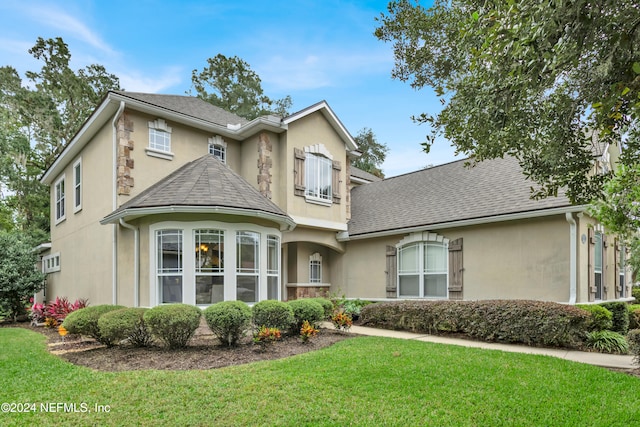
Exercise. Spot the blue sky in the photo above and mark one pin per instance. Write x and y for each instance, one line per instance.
(312, 50)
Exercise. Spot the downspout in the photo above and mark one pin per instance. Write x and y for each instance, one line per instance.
(136, 261)
(573, 277)
(114, 182)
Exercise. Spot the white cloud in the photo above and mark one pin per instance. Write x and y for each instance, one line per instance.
(137, 82)
(411, 159)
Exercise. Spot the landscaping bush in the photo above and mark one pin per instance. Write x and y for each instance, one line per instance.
(354, 307)
(85, 322)
(516, 321)
(634, 344)
(125, 324)
(326, 304)
(635, 292)
(305, 309)
(607, 342)
(634, 316)
(228, 320)
(600, 317)
(273, 314)
(620, 316)
(173, 324)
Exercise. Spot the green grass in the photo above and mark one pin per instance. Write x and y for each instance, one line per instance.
(363, 381)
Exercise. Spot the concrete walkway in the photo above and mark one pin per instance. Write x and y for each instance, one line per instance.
(598, 359)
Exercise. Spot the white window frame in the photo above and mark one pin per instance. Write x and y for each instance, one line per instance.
(159, 128)
(273, 241)
(200, 247)
(421, 241)
(178, 271)
(318, 175)
(51, 263)
(59, 204)
(77, 186)
(598, 272)
(218, 148)
(315, 266)
(230, 253)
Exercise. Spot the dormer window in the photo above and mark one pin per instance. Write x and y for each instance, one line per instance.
(218, 148)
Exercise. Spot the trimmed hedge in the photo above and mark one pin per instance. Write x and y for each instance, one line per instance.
(273, 314)
(513, 321)
(173, 324)
(634, 316)
(85, 321)
(620, 316)
(228, 320)
(634, 344)
(326, 304)
(635, 292)
(306, 309)
(125, 324)
(601, 318)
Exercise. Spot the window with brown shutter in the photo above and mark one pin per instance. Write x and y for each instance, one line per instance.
(456, 269)
(298, 172)
(335, 184)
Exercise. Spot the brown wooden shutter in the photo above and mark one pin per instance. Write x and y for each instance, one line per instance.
(456, 269)
(591, 275)
(335, 181)
(605, 267)
(616, 270)
(298, 172)
(392, 272)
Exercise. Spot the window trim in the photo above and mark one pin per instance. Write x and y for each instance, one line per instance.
(51, 263)
(323, 166)
(422, 240)
(59, 196)
(77, 186)
(217, 142)
(153, 151)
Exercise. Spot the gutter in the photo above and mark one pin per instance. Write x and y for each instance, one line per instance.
(573, 255)
(114, 237)
(136, 261)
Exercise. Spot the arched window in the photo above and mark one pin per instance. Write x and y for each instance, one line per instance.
(423, 266)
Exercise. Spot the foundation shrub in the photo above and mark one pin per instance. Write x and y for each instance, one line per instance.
(607, 342)
(125, 324)
(635, 292)
(633, 338)
(173, 324)
(514, 321)
(305, 310)
(620, 316)
(634, 316)
(85, 322)
(228, 320)
(600, 318)
(273, 314)
(326, 304)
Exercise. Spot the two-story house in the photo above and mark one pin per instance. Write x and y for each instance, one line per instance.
(162, 198)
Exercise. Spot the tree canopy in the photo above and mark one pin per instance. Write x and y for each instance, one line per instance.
(373, 152)
(231, 84)
(550, 83)
(40, 115)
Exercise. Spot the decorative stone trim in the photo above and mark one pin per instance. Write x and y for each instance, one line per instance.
(125, 163)
(264, 165)
(304, 290)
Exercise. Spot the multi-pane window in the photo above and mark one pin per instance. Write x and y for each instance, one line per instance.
(273, 267)
(159, 140)
(315, 268)
(247, 266)
(51, 263)
(423, 270)
(597, 264)
(209, 266)
(77, 186)
(169, 265)
(318, 171)
(218, 148)
(59, 199)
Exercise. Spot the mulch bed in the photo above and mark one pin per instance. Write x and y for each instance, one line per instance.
(202, 352)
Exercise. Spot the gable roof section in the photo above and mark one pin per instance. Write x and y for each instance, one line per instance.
(205, 185)
(446, 196)
(331, 117)
(363, 175)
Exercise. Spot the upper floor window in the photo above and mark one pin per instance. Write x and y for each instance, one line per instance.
(218, 148)
(77, 185)
(318, 177)
(159, 139)
(59, 199)
(423, 269)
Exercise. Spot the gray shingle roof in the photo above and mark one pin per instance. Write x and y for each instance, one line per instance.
(205, 182)
(359, 173)
(443, 194)
(189, 105)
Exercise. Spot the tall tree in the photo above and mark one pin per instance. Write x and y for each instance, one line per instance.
(373, 152)
(230, 83)
(548, 82)
(40, 116)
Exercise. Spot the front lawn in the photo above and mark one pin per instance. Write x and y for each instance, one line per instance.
(362, 381)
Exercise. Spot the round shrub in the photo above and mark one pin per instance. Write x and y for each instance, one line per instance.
(273, 314)
(634, 344)
(228, 320)
(125, 324)
(620, 316)
(85, 321)
(600, 318)
(326, 304)
(306, 309)
(634, 316)
(173, 324)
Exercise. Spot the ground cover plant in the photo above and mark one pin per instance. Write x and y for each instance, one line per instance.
(359, 381)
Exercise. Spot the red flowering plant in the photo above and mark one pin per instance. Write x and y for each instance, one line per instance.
(341, 320)
(60, 308)
(37, 313)
(307, 331)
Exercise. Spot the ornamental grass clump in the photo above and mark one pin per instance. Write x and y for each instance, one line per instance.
(273, 314)
(173, 324)
(228, 320)
(305, 310)
(607, 342)
(85, 322)
(126, 324)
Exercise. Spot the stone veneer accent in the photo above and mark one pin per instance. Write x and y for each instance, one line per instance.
(125, 162)
(264, 165)
(294, 292)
